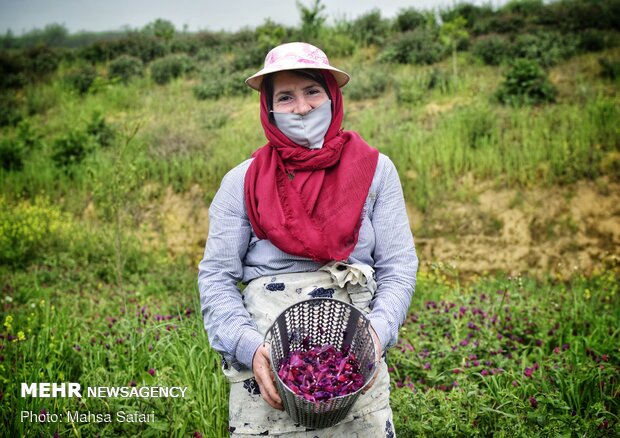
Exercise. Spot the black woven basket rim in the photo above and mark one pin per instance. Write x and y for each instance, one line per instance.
(285, 386)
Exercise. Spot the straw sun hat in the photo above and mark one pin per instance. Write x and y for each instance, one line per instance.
(294, 56)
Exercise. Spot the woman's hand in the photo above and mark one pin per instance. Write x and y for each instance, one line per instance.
(378, 350)
(265, 378)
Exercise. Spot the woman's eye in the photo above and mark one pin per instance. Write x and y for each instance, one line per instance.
(283, 99)
(314, 91)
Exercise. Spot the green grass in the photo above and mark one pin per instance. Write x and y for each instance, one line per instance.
(454, 127)
(81, 293)
(548, 341)
(509, 357)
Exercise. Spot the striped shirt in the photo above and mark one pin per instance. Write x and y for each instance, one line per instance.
(234, 254)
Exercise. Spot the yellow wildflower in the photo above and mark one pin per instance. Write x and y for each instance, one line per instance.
(8, 323)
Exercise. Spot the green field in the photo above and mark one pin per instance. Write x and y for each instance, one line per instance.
(99, 285)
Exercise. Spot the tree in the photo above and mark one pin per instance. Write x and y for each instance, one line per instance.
(312, 19)
(450, 34)
(162, 29)
(269, 34)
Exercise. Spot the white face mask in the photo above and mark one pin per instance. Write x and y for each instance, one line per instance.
(306, 130)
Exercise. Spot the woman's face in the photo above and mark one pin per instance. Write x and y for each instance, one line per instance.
(295, 94)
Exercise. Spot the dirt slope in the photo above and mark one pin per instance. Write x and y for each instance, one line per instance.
(529, 231)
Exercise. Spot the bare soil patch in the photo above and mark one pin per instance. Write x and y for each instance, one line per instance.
(558, 230)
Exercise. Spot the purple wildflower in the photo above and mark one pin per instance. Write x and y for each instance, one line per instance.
(427, 366)
(533, 402)
(152, 371)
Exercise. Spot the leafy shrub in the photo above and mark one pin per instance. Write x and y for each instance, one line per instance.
(205, 54)
(125, 67)
(408, 19)
(71, 148)
(28, 137)
(547, 48)
(476, 16)
(81, 78)
(42, 61)
(368, 83)
(11, 154)
(337, 43)
(526, 83)
(185, 44)
(370, 28)
(594, 40)
(524, 7)
(208, 89)
(12, 70)
(492, 49)
(220, 83)
(27, 66)
(504, 22)
(165, 69)
(420, 46)
(574, 16)
(10, 112)
(102, 133)
(609, 69)
(248, 56)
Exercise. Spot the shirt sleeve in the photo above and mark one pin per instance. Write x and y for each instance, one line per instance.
(396, 262)
(230, 329)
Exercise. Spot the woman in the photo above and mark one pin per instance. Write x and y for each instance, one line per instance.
(316, 212)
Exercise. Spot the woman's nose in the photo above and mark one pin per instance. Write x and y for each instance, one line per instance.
(302, 106)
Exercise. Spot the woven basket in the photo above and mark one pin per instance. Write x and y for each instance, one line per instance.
(314, 322)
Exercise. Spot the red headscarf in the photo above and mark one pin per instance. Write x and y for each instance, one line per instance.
(308, 202)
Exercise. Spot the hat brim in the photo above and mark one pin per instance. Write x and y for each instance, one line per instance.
(256, 79)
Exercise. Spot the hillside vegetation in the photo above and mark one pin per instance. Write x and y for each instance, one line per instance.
(504, 125)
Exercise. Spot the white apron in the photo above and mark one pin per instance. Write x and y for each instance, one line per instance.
(265, 298)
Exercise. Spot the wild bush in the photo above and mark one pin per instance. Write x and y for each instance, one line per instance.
(10, 108)
(575, 16)
(185, 44)
(248, 56)
(526, 83)
(368, 83)
(81, 78)
(12, 70)
(337, 43)
(476, 17)
(493, 49)
(169, 67)
(219, 83)
(420, 46)
(408, 19)
(501, 22)
(594, 40)
(370, 28)
(546, 48)
(125, 67)
(71, 148)
(11, 155)
(609, 69)
(208, 89)
(41, 62)
(102, 133)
